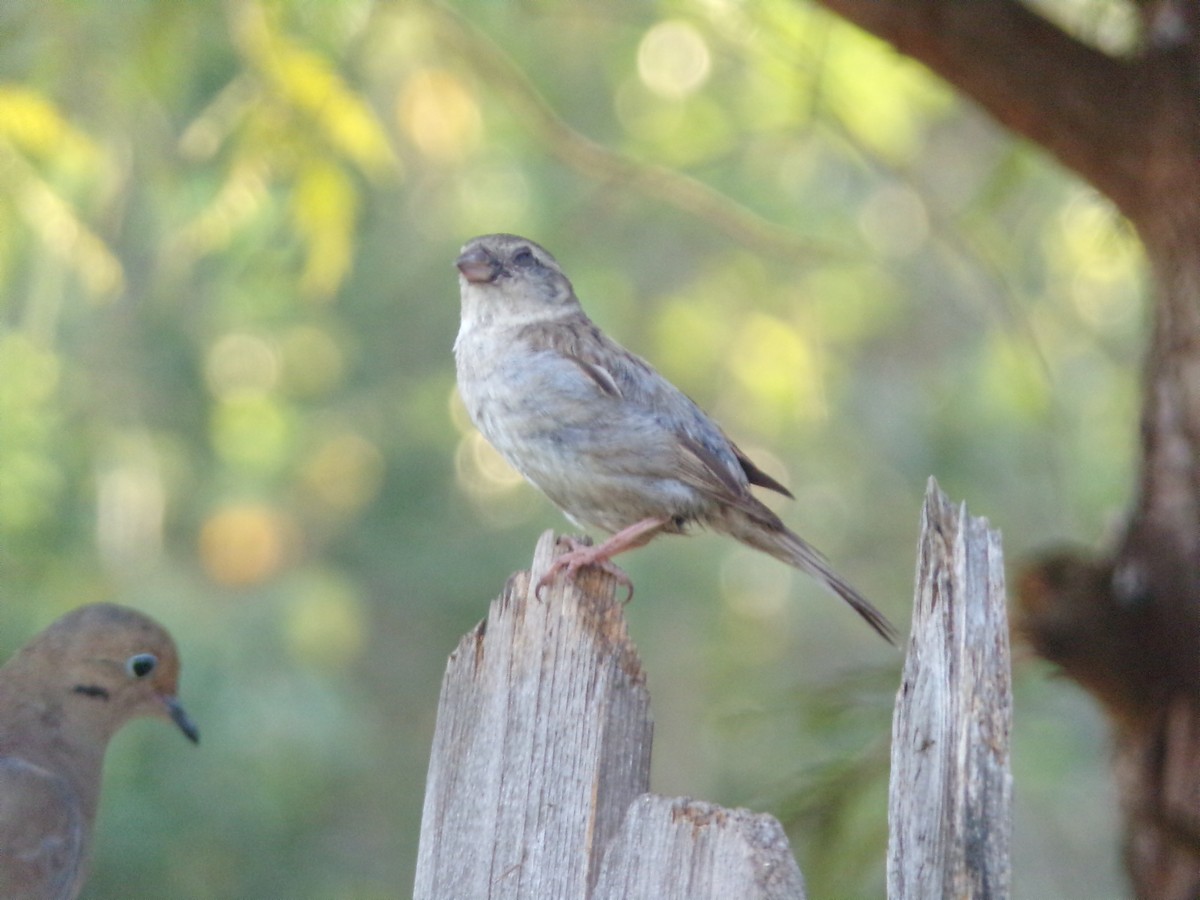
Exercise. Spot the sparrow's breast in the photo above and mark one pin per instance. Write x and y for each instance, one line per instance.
(603, 461)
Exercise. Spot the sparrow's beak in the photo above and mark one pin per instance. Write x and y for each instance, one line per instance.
(478, 266)
(180, 718)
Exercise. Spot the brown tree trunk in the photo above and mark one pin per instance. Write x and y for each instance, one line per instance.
(1127, 627)
(1157, 566)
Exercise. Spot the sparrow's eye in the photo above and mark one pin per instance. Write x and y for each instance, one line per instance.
(524, 258)
(141, 665)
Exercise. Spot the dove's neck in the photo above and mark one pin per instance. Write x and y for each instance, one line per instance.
(44, 730)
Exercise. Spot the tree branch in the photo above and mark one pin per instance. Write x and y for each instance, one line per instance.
(1075, 101)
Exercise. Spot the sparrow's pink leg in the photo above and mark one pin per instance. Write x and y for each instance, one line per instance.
(581, 555)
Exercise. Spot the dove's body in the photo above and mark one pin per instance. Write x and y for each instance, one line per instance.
(62, 697)
(610, 441)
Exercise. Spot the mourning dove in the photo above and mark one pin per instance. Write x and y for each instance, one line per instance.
(62, 697)
(602, 434)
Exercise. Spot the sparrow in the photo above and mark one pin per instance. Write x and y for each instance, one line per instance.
(595, 428)
(62, 697)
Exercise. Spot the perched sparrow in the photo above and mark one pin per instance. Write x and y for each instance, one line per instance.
(610, 441)
(62, 697)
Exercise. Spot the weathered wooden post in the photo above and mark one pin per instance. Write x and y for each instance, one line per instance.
(540, 766)
(950, 803)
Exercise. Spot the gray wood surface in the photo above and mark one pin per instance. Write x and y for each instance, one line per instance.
(542, 742)
(950, 804)
(672, 848)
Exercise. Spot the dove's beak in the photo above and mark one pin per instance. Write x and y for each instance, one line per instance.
(179, 717)
(478, 266)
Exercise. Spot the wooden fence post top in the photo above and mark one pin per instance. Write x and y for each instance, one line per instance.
(589, 603)
(950, 802)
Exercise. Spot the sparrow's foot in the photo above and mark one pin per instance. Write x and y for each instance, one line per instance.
(582, 555)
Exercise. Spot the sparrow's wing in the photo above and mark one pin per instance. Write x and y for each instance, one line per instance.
(599, 375)
(757, 476)
(711, 461)
(42, 832)
(622, 375)
(717, 471)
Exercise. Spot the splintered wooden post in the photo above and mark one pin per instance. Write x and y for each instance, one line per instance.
(542, 742)
(950, 804)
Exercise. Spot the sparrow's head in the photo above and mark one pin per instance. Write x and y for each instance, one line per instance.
(504, 277)
(102, 665)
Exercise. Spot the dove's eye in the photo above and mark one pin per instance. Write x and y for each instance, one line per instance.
(524, 258)
(141, 665)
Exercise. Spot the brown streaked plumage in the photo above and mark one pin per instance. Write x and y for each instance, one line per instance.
(62, 697)
(594, 427)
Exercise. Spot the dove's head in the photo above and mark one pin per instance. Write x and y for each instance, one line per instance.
(507, 279)
(102, 665)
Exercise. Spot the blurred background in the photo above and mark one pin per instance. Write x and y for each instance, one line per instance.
(227, 301)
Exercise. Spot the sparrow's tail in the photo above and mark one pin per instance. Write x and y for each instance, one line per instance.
(774, 538)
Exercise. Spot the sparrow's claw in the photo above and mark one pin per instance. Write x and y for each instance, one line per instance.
(581, 556)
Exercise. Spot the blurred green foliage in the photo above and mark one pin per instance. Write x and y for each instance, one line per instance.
(226, 393)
